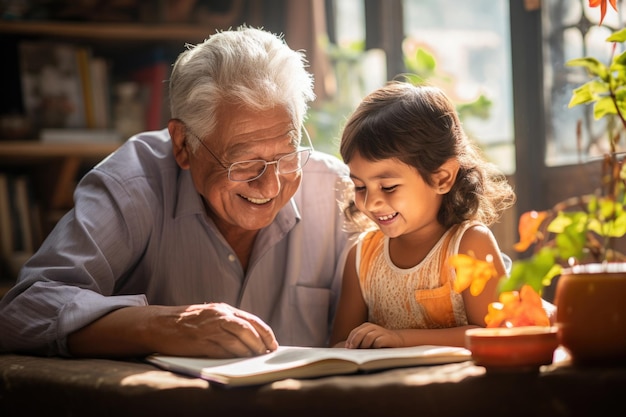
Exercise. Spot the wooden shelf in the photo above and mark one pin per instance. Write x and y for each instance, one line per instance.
(111, 31)
(34, 150)
(63, 161)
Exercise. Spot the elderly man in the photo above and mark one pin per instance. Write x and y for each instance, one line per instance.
(220, 236)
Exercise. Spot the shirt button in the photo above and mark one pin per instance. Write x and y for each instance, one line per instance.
(231, 257)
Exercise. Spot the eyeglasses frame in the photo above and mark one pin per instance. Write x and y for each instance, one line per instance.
(228, 167)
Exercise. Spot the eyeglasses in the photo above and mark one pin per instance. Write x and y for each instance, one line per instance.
(250, 170)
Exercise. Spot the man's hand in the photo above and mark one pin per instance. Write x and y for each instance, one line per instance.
(219, 330)
(213, 330)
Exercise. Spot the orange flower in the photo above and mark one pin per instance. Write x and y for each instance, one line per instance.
(528, 227)
(603, 6)
(514, 309)
(472, 272)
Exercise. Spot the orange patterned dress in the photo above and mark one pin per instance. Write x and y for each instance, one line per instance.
(417, 297)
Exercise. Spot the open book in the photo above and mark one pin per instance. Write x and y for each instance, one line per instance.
(307, 362)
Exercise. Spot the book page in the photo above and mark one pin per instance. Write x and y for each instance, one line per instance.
(300, 362)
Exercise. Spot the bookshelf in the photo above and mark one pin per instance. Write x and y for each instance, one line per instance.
(53, 169)
(50, 171)
(110, 32)
(60, 161)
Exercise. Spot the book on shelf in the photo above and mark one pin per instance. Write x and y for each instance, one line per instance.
(19, 235)
(83, 55)
(52, 88)
(23, 211)
(6, 224)
(307, 362)
(64, 86)
(152, 81)
(100, 92)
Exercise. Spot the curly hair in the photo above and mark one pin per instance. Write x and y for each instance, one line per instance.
(419, 126)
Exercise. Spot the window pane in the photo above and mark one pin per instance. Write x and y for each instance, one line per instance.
(571, 31)
(471, 48)
(470, 41)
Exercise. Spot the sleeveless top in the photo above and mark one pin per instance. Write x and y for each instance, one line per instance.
(417, 297)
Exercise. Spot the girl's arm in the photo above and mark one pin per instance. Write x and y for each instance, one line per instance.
(479, 242)
(351, 310)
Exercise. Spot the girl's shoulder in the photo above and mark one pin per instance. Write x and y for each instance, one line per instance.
(468, 233)
(478, 239)
(473, 229)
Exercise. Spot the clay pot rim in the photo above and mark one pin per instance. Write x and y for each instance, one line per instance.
(510, 331)
(596, 268)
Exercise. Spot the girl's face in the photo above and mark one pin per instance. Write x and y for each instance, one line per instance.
(394, 196)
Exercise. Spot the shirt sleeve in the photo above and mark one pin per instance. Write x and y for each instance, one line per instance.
(71, 280)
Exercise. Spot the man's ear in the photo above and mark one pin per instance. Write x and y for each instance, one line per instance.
(178, 133)
(444, 177)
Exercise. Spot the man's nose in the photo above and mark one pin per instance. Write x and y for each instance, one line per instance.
(270, 179)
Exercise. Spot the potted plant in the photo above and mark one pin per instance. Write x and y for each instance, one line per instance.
(591, 313)
(578, 239)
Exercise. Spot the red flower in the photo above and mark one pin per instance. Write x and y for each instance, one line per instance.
(529, 223)
(603, 6)
(517, 308)
(472, 272)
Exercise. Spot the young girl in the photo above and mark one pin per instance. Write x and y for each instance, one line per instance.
(426, 187)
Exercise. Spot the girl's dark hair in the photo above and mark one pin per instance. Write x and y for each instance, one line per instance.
(419, 126)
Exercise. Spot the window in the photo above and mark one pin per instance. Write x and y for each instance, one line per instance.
(471, 48)
(571, 30)
(471, 45)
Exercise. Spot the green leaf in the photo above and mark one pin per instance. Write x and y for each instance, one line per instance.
(552, 273)
(570, 228)
(615, 228)
(533, 271)
(564, 219)
(618, 36)
(596, 226)
(619, 60)
(593, 204)
(604, 106)
(425, 61)
(593, 66)
(619, 226)
(607, 208)
(589, 92)
(611, 219)
(581, 95)
(479, 108)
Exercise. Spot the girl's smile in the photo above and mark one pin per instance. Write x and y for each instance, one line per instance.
(393, 195)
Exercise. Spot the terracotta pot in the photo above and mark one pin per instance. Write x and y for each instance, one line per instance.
(518, 349)
(591, 313)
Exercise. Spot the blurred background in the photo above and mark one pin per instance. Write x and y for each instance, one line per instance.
(81, 76)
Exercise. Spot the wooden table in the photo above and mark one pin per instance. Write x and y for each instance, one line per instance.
(34, 386)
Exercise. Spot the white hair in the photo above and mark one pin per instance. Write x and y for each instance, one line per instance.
(246, 66)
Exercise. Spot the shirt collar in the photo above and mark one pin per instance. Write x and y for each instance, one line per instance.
(188, 201)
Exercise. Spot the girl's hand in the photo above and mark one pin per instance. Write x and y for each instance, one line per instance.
(369, 335)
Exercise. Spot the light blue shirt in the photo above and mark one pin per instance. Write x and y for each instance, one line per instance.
(138, 234)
